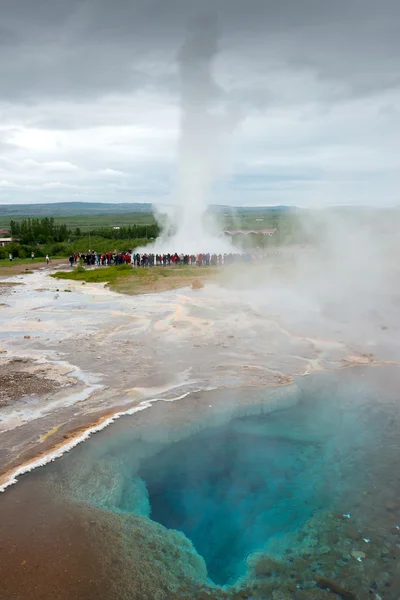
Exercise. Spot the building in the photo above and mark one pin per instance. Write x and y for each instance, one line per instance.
(248, 232)
(5, 237)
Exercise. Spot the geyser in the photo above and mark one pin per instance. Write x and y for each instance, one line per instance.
(207, 121)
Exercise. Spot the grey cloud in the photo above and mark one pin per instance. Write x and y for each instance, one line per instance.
(94, 47)
(98, 67)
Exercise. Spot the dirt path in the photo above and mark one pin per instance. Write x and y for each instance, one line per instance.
(20, 268)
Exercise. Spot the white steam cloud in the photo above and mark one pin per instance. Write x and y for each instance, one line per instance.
(206, 126)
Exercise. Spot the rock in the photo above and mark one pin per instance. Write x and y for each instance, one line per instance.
(314, 594)
(358, 554)
(327, 584)
(392, 506)
(280, 595)
(383, 580)
(352, 533)
(197, 285)
(265, 566)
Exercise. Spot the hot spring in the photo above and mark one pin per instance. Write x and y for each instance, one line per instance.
(250, 490)
(230, 489)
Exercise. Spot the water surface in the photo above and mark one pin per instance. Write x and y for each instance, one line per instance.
(220, 490)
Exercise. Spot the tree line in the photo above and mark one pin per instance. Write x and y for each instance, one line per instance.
(38, 231)
(47, 231)
(123, 233)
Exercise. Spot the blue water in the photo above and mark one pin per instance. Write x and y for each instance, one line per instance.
(229, 491)
(235, 488)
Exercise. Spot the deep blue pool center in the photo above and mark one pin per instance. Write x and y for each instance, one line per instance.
(230, 489)
(241, 487)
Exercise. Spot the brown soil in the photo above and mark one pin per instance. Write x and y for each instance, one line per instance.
(49, 552)
(15, 268)
(16, 382)
(133, 287)
(197, 285)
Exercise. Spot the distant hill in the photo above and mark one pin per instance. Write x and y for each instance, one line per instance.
(66, 209)
(76, 209)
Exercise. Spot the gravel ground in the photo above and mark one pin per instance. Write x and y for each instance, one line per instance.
(16, 382)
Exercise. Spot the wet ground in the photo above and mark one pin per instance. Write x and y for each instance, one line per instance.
(116, 351)
(102, 353)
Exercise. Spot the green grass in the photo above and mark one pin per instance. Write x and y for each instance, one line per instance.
(231, 219)
(129, 280)
(24, 261)
(288, 223)
(99, 244)
(101, 275)
(87, 222)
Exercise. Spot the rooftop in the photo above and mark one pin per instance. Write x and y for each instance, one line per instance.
(247, 232)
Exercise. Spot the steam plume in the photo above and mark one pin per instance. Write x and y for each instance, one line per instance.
(205, 127)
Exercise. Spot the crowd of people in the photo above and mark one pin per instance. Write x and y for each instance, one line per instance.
(137, 259)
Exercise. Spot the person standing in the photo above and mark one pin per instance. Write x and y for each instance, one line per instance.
(47, 259)
(32, 255)
(10, 256)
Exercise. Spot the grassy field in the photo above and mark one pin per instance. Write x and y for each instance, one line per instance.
(227, 218)
(129, 280)
(88, 222)
(23, 265)
(288, 222)
(232, 220)
(21, 261)
(293, 225)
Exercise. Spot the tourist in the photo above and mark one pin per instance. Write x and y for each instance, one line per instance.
(129, 257)
(47, 259)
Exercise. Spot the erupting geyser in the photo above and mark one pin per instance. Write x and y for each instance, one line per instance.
(206, 125)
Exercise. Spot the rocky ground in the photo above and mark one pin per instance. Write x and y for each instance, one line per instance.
(17, 381)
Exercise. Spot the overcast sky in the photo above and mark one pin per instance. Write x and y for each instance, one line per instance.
(89, 100)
